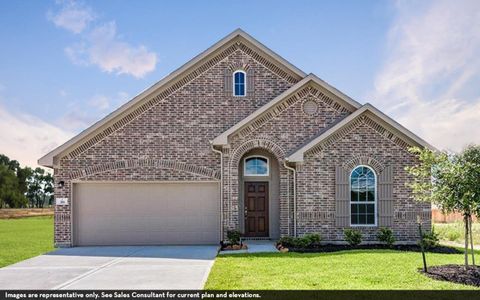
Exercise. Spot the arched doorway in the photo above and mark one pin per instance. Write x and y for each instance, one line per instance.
(259, 194)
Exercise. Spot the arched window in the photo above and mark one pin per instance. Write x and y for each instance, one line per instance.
(239, 83)
(363, 196)
(256, 166)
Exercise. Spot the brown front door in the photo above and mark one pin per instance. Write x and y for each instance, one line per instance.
(256, 209)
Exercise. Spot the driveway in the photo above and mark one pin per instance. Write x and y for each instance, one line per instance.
(130, 267)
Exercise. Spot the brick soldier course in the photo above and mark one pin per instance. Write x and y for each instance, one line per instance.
(175, 130)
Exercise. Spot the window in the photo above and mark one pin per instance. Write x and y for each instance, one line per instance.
(256, 166)
(363, 196)
(239, 83)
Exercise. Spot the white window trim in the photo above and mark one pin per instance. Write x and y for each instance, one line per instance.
(256, 175)
(244, 84)
(374, 202)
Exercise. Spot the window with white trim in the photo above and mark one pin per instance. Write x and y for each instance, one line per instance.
(239, 83)
(363, 196)
(256, 166)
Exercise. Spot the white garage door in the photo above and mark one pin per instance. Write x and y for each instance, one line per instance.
(145, 213)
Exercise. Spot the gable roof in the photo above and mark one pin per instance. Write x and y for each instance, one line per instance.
(164, 84)
(311, 78)
(371, 111)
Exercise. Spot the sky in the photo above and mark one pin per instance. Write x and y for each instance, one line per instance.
(66, 64)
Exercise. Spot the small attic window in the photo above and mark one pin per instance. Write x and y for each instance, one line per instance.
(239, 83)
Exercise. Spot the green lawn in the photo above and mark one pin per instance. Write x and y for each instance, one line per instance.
(358, 269)
(24, 238)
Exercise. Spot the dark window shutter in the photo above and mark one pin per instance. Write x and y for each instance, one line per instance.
(385, 197)
(342, 197)
(228, 82)
(250, 81)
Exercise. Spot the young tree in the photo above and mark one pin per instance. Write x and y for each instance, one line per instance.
(449, 181)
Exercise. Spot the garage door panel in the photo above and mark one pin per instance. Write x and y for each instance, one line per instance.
(146, 213)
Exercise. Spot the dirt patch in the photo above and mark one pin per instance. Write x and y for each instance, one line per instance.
(455, 273)
(13, 213)
(414, 248)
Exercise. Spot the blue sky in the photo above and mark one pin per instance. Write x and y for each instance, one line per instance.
(65, 64)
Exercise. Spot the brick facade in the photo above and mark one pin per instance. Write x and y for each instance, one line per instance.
(168, 139)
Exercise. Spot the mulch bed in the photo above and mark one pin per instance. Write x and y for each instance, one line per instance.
(455, 273)
(414, 248)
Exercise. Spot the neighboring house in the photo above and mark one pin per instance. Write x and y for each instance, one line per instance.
(237, 138)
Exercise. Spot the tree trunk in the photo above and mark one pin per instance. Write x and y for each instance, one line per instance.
(465, 220)
(471, 238)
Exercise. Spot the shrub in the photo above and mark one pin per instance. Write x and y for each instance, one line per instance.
(286, 241)
(430, 239)
(313, 238)
(301, 243)
(309, 240)
(233, 237)
(453, 235)
(352, 236)
(386, 236)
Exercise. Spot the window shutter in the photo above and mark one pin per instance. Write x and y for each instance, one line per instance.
(342, 197)
(228, 82)
(250, 81)
(385, 197)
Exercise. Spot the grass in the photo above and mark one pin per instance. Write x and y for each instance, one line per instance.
(24, 238)
(356, 269)
(455, 232)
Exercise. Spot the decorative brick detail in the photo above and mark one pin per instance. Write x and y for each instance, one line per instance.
(364, 159)
(385, 133)
(156, 163)
(257, 143)
(308, 93)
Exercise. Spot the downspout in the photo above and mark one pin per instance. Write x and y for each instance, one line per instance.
(221, 189)
(294, 197)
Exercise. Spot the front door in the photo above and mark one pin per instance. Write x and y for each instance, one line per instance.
(256, 209)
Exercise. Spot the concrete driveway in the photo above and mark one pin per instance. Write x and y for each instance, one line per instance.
(132, 267)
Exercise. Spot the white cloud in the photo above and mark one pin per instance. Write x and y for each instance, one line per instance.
(72, 16)
(432, 70)
(26, 138)
(105, 49)
(101, 45)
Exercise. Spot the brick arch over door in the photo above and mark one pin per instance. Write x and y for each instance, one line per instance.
(231, 192)
(156, 163)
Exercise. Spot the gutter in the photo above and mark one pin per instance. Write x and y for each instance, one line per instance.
(221, 189)
(294, 197)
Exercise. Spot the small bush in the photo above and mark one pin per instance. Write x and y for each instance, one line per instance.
(352, 236)
(386, 236)
(313, 238)
(301, 243)
(452, 236)
(309, 240)
(286, 241)
(233, 237)
(430, 239)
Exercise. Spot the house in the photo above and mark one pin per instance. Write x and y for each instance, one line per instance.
(237, 138)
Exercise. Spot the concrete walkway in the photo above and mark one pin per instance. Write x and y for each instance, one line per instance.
(132, 267)
(255, 246)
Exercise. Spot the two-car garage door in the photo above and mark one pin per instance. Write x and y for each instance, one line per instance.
(145, 213)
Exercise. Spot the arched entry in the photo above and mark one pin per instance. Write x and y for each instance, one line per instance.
(259, 194)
